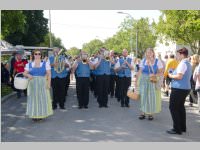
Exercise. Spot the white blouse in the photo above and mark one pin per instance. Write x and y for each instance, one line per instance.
(48, 67)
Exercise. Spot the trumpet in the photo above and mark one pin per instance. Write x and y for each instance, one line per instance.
(105, 55)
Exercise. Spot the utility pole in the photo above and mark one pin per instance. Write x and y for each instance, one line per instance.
(50, 40)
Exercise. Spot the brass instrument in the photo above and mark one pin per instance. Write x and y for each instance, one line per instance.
(61, 62)
(104, 54)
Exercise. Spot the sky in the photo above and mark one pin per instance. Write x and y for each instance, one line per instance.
(76, 27)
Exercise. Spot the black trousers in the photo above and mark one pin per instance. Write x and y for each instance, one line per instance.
(112, 84)
(117, 94)
(67, 83)
(124, 83)
(94, 84)
(59, 90)
(177, 108)
(102, 83)
(194, 91)
(83, 85)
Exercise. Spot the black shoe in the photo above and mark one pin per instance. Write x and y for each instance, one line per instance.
(36, 119)
(172, 131)
(106, 106)
(86, 107)
(127, 105)
(18, 96)
(122, 105)
(80, 107)
(150, 117)
(100, 106)
(183, 130)
(62, 107)
(141, 117)
(54, 107)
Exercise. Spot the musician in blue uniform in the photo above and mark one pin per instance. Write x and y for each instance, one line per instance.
(82, 67)
(123, 67)
(59, 72)
(102, 67)
(113, 60)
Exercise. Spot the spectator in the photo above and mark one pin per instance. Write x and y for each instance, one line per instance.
(150, 92)
(19, 68)
(39, 99)
(196, 77)
(180, 88)
(171, 65)
(11, 62)
(4, 74)
(194, 63)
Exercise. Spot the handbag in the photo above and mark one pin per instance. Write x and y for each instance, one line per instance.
(134, 95)
(20, 83)
(153, 77)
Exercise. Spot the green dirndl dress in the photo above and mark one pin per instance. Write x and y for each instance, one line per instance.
(39, 102)
(150, 95)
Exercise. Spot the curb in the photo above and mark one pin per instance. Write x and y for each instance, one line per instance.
(3, 99)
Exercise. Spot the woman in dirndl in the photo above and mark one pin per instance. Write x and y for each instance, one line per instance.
(150, 92)
(38, 92)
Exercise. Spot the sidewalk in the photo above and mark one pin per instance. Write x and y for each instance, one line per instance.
(114, 124)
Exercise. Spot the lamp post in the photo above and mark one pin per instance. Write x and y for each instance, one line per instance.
(131, 40)
(50, 40)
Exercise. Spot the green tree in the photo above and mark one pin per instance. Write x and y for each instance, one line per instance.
(73, 51)
(24, 27)
(12, 25)
(56, 42)
(93, 46)
(36, 27)
(118, 42)
(181, 26)
(121, 40)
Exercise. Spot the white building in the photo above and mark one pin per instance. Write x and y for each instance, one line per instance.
(168, 47)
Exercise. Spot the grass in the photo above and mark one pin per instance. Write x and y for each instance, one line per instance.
(5, 90)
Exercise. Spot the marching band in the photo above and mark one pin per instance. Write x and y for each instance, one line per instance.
(104, 73)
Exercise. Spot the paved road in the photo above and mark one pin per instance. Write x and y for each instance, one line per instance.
(93, 125)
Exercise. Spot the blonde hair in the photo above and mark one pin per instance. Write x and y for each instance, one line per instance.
(151, 49)
(194, 61)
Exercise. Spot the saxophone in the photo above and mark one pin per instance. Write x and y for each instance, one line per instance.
(61, 62)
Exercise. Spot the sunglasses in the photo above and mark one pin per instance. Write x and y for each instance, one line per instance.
(37, 54)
